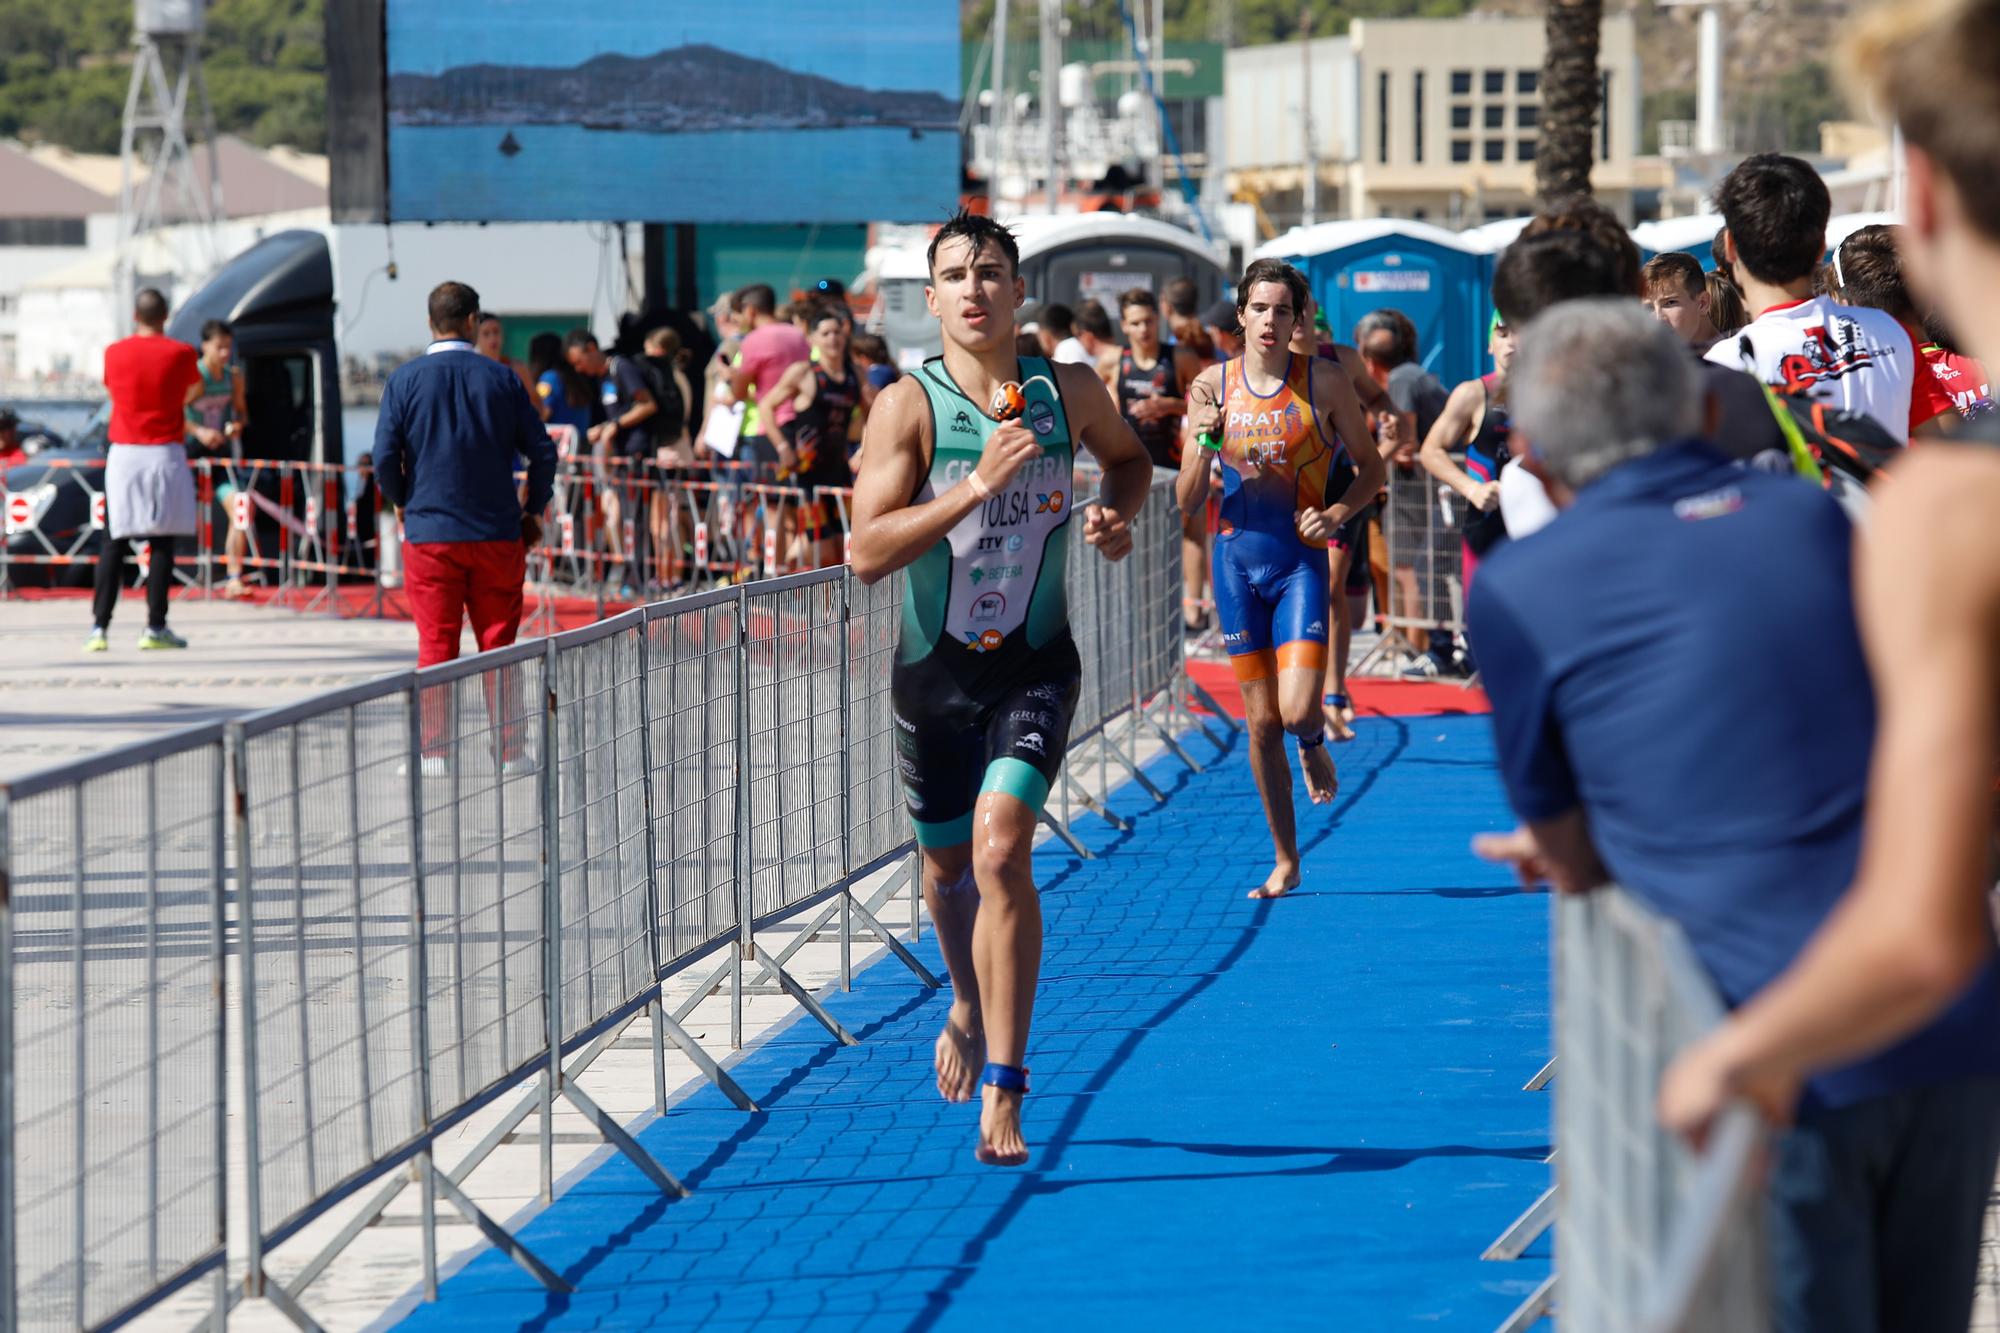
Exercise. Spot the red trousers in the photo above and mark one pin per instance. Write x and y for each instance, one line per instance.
(447, 582)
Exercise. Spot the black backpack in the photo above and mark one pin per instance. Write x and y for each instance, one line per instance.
(1826, 438)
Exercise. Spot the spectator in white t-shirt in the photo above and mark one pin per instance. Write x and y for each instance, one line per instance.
(1774, 211)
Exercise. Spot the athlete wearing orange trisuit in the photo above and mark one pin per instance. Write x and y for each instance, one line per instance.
(1277, 423)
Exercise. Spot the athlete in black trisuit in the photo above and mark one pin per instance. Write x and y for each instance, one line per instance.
(828, 393)
(966, 479)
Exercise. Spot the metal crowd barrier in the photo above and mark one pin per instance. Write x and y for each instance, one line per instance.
(452, 887)
(1650, 1235)
(112, 1191)
(1420, 526)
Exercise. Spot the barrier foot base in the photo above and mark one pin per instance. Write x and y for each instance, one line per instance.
(712, 1071)
(1095, 806)
(614, 1134)
(1174, 748)
(500, 1237)
(289, 1308)
(1207, 700)
(896, 946)
(1061, 830)
(1540, 1304)
(1516, 1239)
(1542, 1078)
(806, 999)
(1145, 783)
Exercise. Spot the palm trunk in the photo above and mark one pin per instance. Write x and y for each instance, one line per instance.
(1571, 91)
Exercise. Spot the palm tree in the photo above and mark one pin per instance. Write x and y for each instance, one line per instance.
(1571, 90)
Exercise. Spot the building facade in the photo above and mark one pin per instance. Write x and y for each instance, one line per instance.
(1431, 119)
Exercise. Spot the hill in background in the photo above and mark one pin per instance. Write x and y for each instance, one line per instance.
(65, 64)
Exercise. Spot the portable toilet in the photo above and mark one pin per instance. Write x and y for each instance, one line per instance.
(1073, 258)
(901, 314)
(1843, 225)
(1430, 274)
(1694, 234)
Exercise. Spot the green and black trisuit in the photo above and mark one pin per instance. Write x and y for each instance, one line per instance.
(986, 673)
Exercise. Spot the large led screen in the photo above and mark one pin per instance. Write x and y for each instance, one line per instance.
(638, 110)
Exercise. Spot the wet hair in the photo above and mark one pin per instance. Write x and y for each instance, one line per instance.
(976, 229)
(451, 304)
(1934, 66)
(1581, 213)
(1094, 320)
(150, 308)
(216, 328)
(1181, 298)
(1725, 303)
(1058, 319)
(759, 297)
(1273, 270)
(1551, 267)
(1674, 268)
(1868, 270)
(1403, 333)
(1138, 296)
(1776, 209)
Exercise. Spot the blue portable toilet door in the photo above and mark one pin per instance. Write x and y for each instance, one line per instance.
(1350, 283)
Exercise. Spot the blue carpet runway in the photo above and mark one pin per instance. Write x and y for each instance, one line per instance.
(1301, 1114)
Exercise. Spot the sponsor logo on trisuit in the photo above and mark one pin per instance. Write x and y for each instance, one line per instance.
(1041, 418)
(1052, 503)
(962, 424)
(985, 641)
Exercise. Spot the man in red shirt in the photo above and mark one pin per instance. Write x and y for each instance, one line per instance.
(148, 490)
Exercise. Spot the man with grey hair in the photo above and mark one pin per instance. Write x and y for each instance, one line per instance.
(1659, 660)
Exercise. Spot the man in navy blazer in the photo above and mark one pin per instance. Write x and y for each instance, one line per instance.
(453, 429)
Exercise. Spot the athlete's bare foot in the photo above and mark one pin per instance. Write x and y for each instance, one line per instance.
(1000, 1141)
(1322, 784)
(1336, 725)
(961, 1051)
(1284, 878)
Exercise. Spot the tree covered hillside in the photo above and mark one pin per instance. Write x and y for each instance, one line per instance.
(65, 64)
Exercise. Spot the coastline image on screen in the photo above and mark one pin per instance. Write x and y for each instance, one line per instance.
(630, 110)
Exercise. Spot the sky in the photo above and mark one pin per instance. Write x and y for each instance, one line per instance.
(905, 44)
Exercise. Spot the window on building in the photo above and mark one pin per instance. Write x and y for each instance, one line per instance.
(1496, 82)
(1417, 118)
(1496, 117)
(1527, 117)
(1461, 150)
(1524, 151)
(1527, 82)
(1461, 83)
(1496, 150)
(1604, 116)
(1461, 117)
(1382, 116)
(1419, 214)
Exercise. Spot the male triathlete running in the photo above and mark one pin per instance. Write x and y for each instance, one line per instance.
(966, 478)
(1277, 421)
(828, 393)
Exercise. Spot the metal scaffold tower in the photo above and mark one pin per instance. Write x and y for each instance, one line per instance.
(158, 183)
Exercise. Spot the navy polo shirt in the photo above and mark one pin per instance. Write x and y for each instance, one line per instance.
(1677, 654)
(453, 428)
